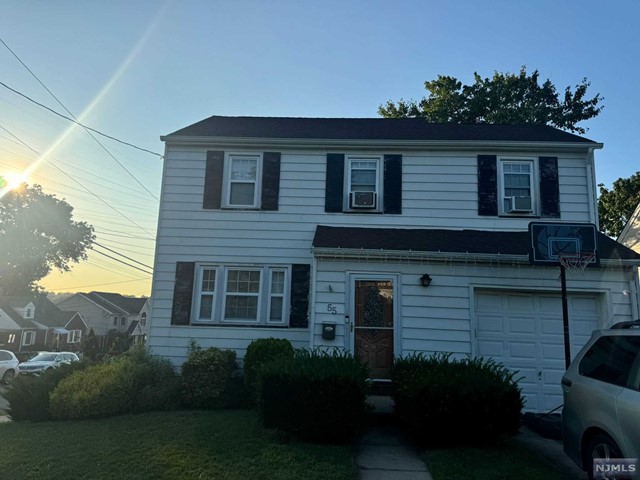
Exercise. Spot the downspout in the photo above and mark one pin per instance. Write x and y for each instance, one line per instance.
(634, 284)
(591, 188)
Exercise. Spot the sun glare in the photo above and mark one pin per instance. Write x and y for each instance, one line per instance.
(11, 181)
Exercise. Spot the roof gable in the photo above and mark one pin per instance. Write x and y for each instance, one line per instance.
(371, 129)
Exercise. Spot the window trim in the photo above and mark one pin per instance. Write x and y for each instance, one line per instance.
(259, 295)
(30, 333)
(74, 336)
(143, 319)
(534, 187)
(226, 184)
(220, 295)
(379, 188)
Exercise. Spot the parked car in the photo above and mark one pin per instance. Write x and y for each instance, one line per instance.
(601, 388)
(46, 360)
(8, 366)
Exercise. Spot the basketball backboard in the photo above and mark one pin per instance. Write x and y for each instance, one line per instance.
(551, 241)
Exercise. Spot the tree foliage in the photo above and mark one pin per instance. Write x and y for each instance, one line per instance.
(37, 234)
(505, 98)
(616, 206)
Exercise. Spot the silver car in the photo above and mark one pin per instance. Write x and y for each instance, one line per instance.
(601, 387)
(45, 361)
(8, 366)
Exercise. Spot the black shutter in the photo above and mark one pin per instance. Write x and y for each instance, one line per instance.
(270, 180)
(182, 293)
(334, 185)
(487, 185)
(549, 187)
(213, 180)
(393, 184)
(300, 281)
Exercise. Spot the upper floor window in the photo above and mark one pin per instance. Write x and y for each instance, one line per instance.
(242, 180)
(517, 187)
(28, 314)
(363, 182)
(143, 319)
(123, 321)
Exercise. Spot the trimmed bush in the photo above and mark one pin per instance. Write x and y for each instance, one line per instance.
(29, 395)
(314, 395)
(445, 402)
(206, 376)
(260, 352)
(133, 383)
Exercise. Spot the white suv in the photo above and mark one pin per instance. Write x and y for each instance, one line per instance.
(45, 361)
(601, 387)
(8, 366)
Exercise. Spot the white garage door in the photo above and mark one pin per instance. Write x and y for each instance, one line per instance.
(524, 332)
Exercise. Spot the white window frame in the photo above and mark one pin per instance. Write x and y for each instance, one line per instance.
(32, 335)
(349, 159)
(270, 295)
(533, 178)
(229, 157)
(220, 295)
(143, 319)
(11, 338)
(74, 336)
(198, 291)
(259, 295)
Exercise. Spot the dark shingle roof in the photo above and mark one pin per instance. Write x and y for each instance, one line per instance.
(370, 129)
(6, 307)
(116, 303)
(447, 241)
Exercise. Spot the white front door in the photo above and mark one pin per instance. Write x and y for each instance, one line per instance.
(373, 312)
(523, 330)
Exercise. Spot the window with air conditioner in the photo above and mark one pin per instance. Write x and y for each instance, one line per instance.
(518, 187)
(364, 181)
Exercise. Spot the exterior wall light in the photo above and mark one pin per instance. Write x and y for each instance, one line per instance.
(425, 280)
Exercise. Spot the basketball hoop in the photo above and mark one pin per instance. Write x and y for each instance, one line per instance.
(576, 263)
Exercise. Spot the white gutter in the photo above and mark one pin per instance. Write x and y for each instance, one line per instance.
(374, 144)
(457, 257)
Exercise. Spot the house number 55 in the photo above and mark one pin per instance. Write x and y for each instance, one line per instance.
(332, 309)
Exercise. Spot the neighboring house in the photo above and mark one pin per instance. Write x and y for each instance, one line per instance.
(383, 237)
(35, 323)
(630, 236)
(110, 312)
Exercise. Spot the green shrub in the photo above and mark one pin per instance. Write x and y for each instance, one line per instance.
(260, 352)
(29, 395)
(133, 383)
(206, 375)
(314, 395)
(444, 402)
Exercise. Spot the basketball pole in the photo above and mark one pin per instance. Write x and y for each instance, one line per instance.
(565, 317)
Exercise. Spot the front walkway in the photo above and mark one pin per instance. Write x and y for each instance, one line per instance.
(382, 454)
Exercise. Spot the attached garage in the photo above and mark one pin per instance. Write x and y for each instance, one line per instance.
(523, 330)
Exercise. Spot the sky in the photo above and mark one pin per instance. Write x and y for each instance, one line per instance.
(138, 70)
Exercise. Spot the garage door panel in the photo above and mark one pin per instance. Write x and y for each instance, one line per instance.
(524, 331)
(522, 325)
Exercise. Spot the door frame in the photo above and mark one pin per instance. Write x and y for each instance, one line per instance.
(352, 277)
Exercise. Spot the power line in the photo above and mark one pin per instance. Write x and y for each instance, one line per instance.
(26, 97)
(102, 284)
(76, 120)
(121, 261)
(76, 181)
(124, 256)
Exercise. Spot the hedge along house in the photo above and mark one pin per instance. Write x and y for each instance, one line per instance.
(383, 237)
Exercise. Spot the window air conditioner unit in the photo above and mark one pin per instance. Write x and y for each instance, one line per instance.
(520, 204)
(363, 199)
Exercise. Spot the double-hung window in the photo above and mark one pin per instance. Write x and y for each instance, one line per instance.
(242, 184)
(364, 180)
(242, 295)
(74, 336)
(518, 188)
(28, 338)
(229, 294)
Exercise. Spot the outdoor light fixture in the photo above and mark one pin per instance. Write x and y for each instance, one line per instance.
(425, 280)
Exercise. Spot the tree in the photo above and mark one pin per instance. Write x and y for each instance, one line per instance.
(616, 206)
(90, 346)
(37, 234)
(503, 99)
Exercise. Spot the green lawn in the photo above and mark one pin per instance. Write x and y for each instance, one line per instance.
(168, 445)
(504, 462)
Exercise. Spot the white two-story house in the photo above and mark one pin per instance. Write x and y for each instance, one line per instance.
(383, 237)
